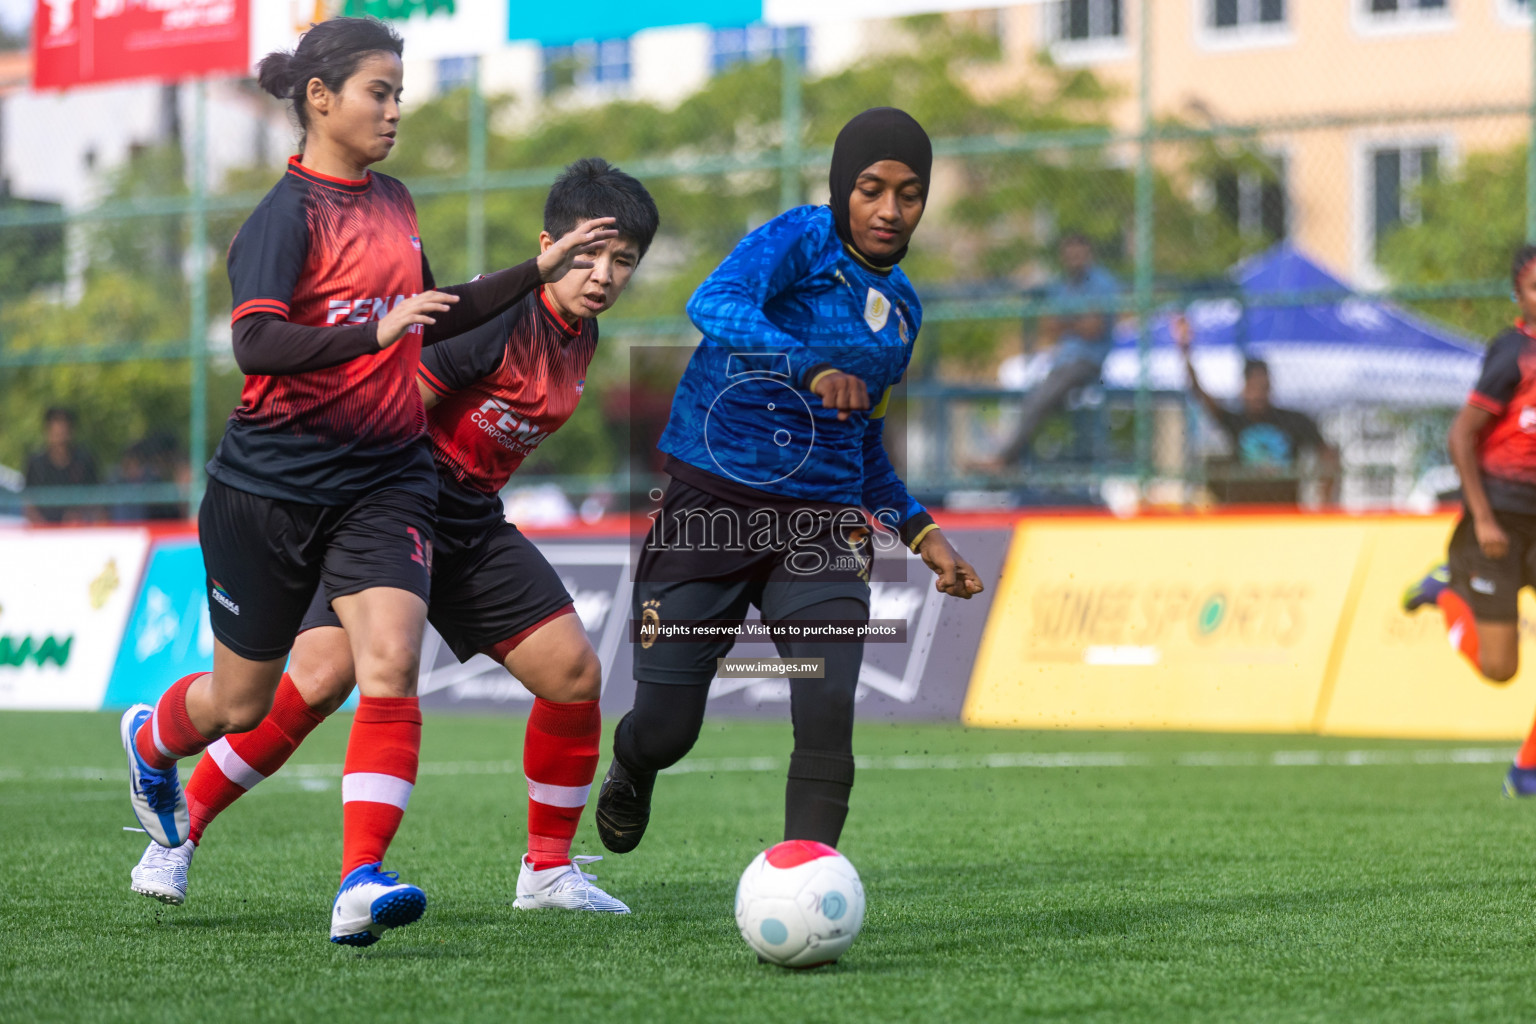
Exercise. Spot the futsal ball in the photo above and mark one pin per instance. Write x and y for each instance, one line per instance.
(800, 904)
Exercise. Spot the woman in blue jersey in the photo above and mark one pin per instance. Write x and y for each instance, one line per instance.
(775, 450)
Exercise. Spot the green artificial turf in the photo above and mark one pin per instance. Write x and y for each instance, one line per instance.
(1112, 877)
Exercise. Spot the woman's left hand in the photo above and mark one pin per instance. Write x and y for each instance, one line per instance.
(957, 577)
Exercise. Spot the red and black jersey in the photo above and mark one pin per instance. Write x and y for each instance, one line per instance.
(504, 387)
(1506, 452)
(326, 252)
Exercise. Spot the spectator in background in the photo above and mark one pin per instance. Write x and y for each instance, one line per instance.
(1080, 336)
(150, 460)
(1269, 444)
(60, 463)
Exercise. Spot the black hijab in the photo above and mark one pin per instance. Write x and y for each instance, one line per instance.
(880, 133)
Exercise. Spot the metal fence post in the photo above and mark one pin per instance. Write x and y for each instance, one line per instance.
(197, 337)
(1530, 151)
(1143, 255)
(790, 120)
(475, 245)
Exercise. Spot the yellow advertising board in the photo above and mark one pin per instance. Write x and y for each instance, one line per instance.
(1223, 624)
(1397, 675)
(1273, 624)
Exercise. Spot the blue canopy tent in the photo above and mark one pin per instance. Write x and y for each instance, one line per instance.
(1334, 353)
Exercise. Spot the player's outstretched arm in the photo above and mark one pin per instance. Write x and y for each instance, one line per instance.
(885, 494)
(490, 295)
(422, 308)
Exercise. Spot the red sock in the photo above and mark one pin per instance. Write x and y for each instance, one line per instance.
(560, 760)
(1460, 625)
(1527, 756)
(237, 762)
(376, 782)
(169, 735)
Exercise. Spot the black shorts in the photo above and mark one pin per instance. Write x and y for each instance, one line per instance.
(686, 573)
(265, 557)
(490, 588)
(1492, 587)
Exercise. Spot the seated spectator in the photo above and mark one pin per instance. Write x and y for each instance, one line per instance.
(1269, 444)
(1081, 337)
(60, 463)
(147, 461)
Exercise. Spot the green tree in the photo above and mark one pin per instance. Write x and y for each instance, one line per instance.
(1471, 223)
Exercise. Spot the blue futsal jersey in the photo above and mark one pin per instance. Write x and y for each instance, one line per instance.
(789, 302)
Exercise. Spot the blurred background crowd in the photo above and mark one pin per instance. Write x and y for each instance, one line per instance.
(1178, 253)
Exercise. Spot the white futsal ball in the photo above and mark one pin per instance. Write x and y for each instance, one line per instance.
(800, 904)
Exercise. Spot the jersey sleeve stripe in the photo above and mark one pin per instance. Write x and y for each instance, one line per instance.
(1485, 403)
(432, 382)
(276, 306)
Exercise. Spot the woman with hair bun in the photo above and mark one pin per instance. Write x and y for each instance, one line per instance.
(323, 476)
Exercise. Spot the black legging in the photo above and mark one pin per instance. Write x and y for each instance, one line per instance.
(665, 721)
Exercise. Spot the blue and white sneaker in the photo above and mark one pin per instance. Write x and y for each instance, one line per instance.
(161, 874)
(158, 801)
(1520, 781)
(1427, 590)
(371, 901)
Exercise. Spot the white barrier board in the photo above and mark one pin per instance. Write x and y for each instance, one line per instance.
(64, 600)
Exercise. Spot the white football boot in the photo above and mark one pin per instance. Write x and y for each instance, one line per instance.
(161, 874)
(566, 887)
(371, 901)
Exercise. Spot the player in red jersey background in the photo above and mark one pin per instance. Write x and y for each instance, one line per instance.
(1493, 550)
(322, 475)
(493, 394)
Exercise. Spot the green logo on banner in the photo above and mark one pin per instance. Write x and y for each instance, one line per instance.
(1214, 610)
(395, 10)
(15, 651)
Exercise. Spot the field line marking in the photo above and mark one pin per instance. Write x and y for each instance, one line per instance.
(909, 762)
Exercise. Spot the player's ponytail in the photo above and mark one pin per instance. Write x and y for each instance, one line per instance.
(274, 73)
(330, 51)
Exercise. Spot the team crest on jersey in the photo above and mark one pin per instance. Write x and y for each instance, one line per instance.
(416, 242)
(581, 385)
(901, 328)
(877, 310)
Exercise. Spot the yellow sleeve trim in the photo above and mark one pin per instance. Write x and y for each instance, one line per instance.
(925, 531)
(878, 412)
(817, 379)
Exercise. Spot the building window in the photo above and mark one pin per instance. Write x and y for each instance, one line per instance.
(1396, 173)
(455, 73)
(1254, 202)
(1239, 14)
(731, 46)
(1403, 7)
(1081, 21)
(1400, 17)
(601, 63)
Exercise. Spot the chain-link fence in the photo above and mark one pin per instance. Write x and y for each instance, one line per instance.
(1333, 188)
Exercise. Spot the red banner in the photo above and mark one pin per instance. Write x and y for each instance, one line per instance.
(78, 42)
